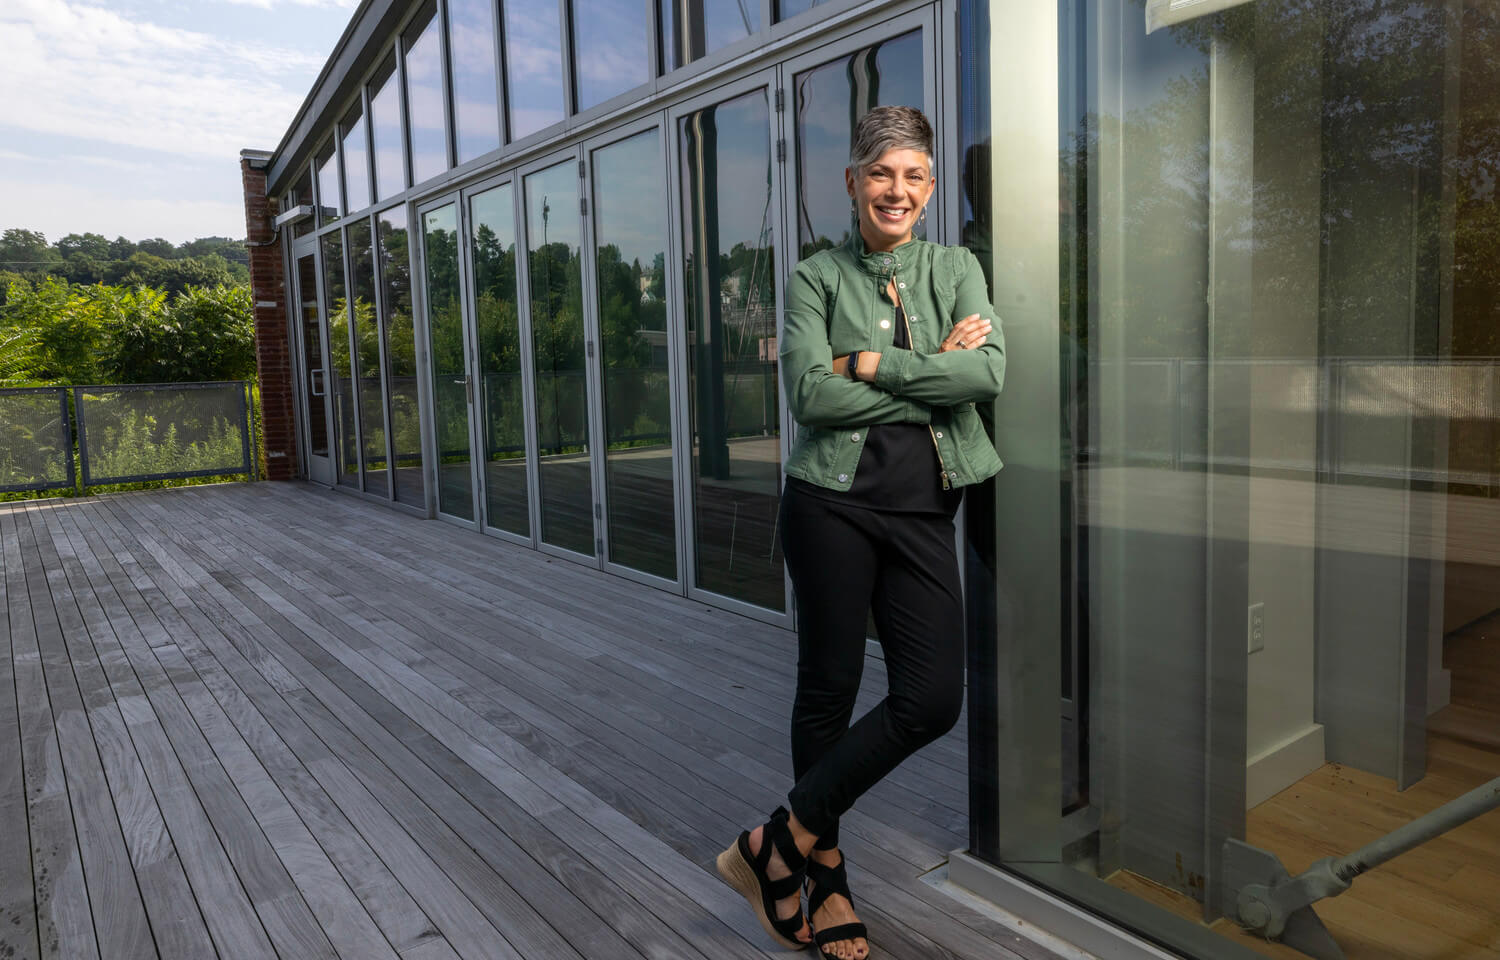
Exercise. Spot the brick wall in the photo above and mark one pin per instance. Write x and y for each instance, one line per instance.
(273, 358)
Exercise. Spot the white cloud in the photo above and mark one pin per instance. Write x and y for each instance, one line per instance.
(88, 71)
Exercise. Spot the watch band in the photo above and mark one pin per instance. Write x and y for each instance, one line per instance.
(853, 365)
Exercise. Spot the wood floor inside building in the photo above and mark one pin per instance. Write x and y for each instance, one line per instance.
(269, 720)
(1440, 901)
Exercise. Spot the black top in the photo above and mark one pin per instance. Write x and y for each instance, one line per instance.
(898, 470)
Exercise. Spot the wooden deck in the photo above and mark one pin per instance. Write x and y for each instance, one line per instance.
(270, 720)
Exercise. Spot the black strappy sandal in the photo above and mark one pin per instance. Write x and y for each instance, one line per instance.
(746, 872)
(828, 881)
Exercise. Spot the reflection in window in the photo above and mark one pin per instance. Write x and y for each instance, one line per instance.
(356, 162)
(830, 99)
(330, 195)
(610, 46)
(553, 246)
(424, 99)
(730, 304)
(445, 330)
(316, 384)
(476, 107)
(367, 358)
(302, 193)
(385, 130)
(341, 382)
(533, 67)
(498, 330)
(786, 9)
(692, 29)
(630, 231)
(400, 353)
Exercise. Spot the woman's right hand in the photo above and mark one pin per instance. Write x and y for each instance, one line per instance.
(967, 334)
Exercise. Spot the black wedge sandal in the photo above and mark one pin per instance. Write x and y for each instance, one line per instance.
(828, 881)
(746, 872)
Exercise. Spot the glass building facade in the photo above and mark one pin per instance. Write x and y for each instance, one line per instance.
(1234, 602)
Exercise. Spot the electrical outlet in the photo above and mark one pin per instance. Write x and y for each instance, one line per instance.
(1257, 626)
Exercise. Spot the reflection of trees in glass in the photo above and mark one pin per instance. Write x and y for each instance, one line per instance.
(499, 340)
(336, 309)
(367, 350)
(635, 385)
(400, 349)
(445, 328)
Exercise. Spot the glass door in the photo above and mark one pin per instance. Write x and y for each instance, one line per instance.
(453, 395)
(312, 336)
(729, 182)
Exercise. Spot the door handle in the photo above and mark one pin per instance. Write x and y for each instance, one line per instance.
(316, 376)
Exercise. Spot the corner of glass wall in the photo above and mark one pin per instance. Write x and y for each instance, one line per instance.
(300, 194)
(330, 191)
(1254, 637)
(386, 131)
(426, 100)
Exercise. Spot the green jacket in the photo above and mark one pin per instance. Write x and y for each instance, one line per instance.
(836, 302)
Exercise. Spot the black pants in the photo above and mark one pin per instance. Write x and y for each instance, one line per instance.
(845, 562)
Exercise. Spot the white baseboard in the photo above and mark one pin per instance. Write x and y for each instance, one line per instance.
(1273, 770)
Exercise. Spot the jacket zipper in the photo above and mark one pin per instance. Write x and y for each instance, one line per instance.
(912, 345)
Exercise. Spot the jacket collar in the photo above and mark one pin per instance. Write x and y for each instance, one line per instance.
(881, 263)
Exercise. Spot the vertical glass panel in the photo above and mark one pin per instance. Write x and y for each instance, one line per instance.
(476, 107)
(330, 194)
(302, 193)
(356, 161)
(730, 302)
(498, 329)
(610, 47)
(367, 358)
(450, 375)
(533, 64)
(553, 245)
(316, 385)
(692, 29)
(401, 354)
(1279, 344)
(336, 309)
(830, 100)
(385, 130)
(426, 108)
(630, 232)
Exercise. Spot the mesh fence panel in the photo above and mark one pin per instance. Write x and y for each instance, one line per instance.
(159, 432)
(36, 449)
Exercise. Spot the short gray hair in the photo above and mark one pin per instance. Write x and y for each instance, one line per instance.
(889, 128)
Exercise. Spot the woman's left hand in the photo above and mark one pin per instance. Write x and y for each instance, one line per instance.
(967, 334)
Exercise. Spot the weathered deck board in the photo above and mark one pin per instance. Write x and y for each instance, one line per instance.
(348, 733)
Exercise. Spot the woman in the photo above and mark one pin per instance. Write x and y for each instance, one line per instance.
(886, 348)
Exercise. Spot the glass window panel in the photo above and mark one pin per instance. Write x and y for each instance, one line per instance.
(553, 246)
(476, 106)
(424, 100)
(692, 29)
(330, 195)
(830, 100)
(385, 130)
(630, 230)
(356, 161)
(367, 358)
(497, 324)
(533, 64)
(786, 9)
(445, 328)
(610, 48)
(1278, 348)
(336, 308)
(302, 193)
(401, 354)
(730, 305)
(316, 385)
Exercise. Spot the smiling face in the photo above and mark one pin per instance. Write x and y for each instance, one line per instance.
(889, 194)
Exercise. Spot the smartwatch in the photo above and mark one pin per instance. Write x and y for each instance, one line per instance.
(853, 365)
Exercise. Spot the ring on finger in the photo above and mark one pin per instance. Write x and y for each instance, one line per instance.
(960, 344)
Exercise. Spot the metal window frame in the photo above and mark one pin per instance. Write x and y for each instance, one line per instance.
(65, 435)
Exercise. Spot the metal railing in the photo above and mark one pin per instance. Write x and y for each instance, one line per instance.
(124, 433)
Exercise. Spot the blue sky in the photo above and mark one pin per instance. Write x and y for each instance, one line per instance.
(126, 117)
